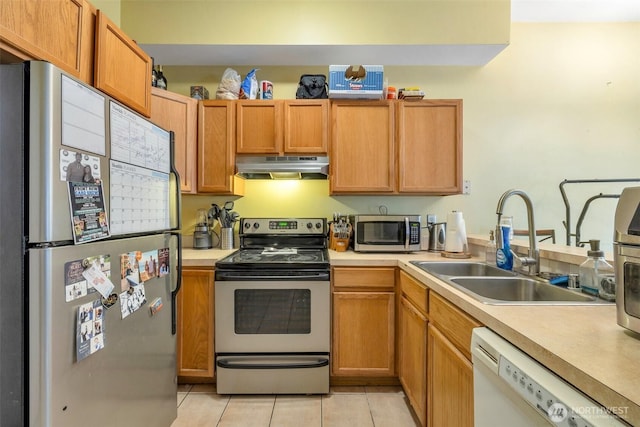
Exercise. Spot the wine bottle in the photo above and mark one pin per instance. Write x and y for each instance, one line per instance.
(154, 74)
(162, 80)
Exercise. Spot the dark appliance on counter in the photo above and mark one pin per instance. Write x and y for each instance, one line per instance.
(626, 258)
(272, 309)
(75, 351)
(385, 233)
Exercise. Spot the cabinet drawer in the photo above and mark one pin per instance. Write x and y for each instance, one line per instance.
(378, 278)
(454, 323)
(415, 292)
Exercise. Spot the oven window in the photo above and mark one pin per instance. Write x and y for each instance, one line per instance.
(272, 311)
(381, 232)
(632, 289)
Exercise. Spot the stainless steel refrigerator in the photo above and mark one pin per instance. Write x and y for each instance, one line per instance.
(89, 256)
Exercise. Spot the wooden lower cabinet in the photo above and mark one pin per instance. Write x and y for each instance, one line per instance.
(450, 383)
(195, 350)
(412, 355)
(363, 334)
(449, 367)
(363, 322)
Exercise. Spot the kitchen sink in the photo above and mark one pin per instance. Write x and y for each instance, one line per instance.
(492, 285)
(462, 269)
(501, 290)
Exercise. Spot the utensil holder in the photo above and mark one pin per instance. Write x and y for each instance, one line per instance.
(226, 238)
(339, 239)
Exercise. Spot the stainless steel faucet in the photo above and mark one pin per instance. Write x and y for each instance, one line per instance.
(533, 260)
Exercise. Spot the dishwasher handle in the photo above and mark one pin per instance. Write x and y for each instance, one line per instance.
(483, 352)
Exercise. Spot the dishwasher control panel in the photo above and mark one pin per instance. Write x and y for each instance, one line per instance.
(509, 382)
(534, 383)
(537, 396)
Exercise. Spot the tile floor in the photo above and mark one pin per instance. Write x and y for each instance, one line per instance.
(199, 406)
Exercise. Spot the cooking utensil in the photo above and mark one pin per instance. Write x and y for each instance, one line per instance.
(223, 219)
(214, 212)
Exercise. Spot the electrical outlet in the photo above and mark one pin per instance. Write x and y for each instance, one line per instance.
(466, 186)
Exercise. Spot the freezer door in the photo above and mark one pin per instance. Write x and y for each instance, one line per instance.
(132, 380)
(63, 117)
(70, 126)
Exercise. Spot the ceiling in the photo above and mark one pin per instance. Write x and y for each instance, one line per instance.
(575, 11)
(406, 55)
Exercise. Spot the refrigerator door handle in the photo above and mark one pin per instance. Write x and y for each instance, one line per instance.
(176, 174)
(174, 293)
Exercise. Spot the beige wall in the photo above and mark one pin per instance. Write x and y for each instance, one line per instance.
(561, 102)
(293, 22)
(111, 8)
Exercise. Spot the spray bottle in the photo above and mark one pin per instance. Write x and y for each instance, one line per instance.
(504, 257)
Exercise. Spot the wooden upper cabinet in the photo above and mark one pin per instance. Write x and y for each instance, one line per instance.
(179, 113)
(362, 147)
(216, 154)
(430, 147)
(57, 31)
(259, 127)
(88, 42)
(122, 68)
(293, 126)
(306, 126)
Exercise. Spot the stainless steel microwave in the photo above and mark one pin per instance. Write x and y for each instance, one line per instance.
(626, 258)
(385, 233)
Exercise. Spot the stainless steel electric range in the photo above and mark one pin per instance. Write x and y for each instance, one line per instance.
(272, 309)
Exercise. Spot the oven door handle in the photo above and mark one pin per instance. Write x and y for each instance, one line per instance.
(230, 277)
(228, 364)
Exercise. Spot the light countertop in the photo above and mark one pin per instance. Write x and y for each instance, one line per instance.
(582, 344)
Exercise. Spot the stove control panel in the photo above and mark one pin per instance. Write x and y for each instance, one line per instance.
(305, 226)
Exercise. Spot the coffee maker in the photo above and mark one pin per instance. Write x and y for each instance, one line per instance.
(202, 235)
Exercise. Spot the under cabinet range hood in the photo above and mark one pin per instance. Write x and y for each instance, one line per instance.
(283, 167)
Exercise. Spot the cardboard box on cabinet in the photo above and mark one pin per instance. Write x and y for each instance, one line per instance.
(356, 81)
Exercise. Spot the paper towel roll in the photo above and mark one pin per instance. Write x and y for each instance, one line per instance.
(456, 239)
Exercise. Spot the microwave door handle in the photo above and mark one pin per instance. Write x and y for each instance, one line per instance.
(406, 233)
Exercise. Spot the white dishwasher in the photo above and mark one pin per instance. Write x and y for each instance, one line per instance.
(512, 389)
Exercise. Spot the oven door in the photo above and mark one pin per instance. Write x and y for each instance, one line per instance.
(627, 268)
(287, 316)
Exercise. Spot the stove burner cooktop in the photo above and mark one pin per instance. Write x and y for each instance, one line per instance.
(273, 257)
(283, 245)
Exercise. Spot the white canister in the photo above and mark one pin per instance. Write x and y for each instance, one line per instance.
(456, 238)
(424, 239)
